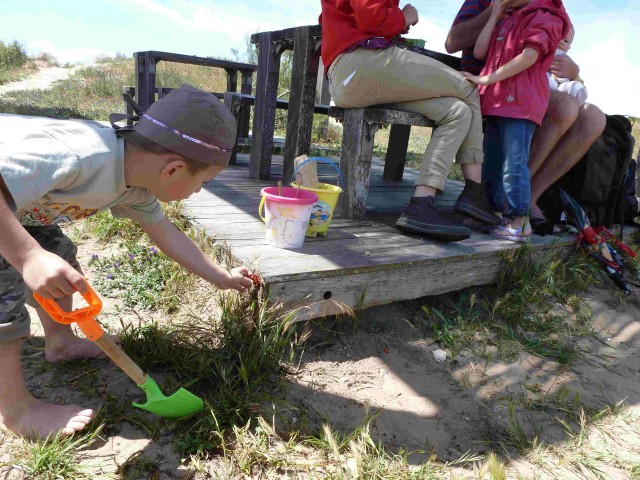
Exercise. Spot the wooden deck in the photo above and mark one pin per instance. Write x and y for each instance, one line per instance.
(360, 263)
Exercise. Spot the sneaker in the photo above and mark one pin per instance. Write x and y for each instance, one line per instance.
(507, 232)
(422, 218)
(473, 202)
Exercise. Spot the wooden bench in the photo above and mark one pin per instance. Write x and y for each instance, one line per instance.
(146, 91)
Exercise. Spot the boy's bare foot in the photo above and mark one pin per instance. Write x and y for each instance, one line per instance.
(35, 419)
(69, 347)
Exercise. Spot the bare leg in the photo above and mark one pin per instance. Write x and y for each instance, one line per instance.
(560, 116)
(567, 152)
(61, 344)
(472, 171)
(24, 414)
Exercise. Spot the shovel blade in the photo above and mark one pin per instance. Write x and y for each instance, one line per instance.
(181, 404)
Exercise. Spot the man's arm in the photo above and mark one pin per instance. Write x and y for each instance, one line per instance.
(465, 34)
(43, 272)
(179, 247)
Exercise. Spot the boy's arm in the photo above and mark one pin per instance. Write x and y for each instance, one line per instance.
(43, 272)
(513, 67)
(179, 247)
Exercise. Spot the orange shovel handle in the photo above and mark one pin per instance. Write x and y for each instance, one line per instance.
(84, 317)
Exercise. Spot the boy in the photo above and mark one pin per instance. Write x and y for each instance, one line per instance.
(55, 171)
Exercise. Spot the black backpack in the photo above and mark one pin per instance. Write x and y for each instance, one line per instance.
(603, 181)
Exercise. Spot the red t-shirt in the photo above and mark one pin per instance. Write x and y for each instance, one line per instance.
(347, 22)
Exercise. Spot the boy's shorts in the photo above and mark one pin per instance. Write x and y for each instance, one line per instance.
(14, 318)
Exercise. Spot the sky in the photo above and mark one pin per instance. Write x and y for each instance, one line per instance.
(81, 30)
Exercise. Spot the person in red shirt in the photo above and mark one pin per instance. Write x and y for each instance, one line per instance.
(364, 68)
(518, 43)
(568, 129)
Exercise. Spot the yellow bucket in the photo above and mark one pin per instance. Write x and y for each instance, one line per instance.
(322, 211)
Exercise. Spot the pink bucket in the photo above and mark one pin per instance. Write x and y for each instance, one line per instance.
(287, 216)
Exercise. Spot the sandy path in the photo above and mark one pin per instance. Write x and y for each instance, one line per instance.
(40, 80)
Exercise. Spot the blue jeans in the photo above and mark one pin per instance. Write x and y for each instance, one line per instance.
(506, 164)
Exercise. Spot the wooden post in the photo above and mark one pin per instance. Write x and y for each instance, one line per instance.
(264, 111)
(355, 163)
(301, 99)
(245, 113)
(230, 101)
(232, 79)
(145, 79)
(130, 91)
(396, 152)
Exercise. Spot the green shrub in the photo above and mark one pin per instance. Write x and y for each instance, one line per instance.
(12, 55)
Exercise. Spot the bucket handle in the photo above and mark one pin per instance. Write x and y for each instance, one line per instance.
(320, 160)
(260, 209)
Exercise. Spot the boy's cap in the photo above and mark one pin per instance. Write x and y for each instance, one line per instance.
(188, 121)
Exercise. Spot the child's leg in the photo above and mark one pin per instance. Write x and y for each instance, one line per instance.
(24, 414)
(516, 141)
(492, 166)
(20, 412)
(61, 344)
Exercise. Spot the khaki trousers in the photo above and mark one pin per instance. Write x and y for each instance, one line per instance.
(415, 83)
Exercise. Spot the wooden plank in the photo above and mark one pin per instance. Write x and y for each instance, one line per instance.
(195, 60)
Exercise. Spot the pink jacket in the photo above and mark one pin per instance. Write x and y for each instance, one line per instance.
(539, 25)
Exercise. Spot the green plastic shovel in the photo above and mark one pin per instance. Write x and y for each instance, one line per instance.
(180, 404)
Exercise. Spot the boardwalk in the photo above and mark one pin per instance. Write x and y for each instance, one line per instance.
(360, 263)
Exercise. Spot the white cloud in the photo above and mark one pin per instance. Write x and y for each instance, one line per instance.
(69, 55)
(206, 19)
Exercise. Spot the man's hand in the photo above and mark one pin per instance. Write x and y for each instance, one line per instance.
(563, 67)
(410, 16)
(478, 80)
(241, 280)
(49, 276)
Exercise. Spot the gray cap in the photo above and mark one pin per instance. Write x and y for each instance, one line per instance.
(188, 121)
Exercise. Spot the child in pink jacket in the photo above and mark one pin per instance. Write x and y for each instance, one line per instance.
(518, 44)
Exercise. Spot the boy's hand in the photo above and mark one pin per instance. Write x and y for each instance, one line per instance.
(241, 280)
(49, 276)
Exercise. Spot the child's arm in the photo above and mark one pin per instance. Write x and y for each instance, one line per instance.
(481, 47)
(43, 272)
(518, 64)
(177, 246)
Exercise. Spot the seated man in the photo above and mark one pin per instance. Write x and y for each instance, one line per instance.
(567, 130)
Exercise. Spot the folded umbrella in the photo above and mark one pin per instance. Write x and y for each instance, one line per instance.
(595, 241)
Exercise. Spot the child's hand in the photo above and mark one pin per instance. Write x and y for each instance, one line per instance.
(49, 276)
(242, 279)
(476, 79)
(498, 7)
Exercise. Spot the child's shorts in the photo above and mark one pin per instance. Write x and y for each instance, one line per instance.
(14, 318)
